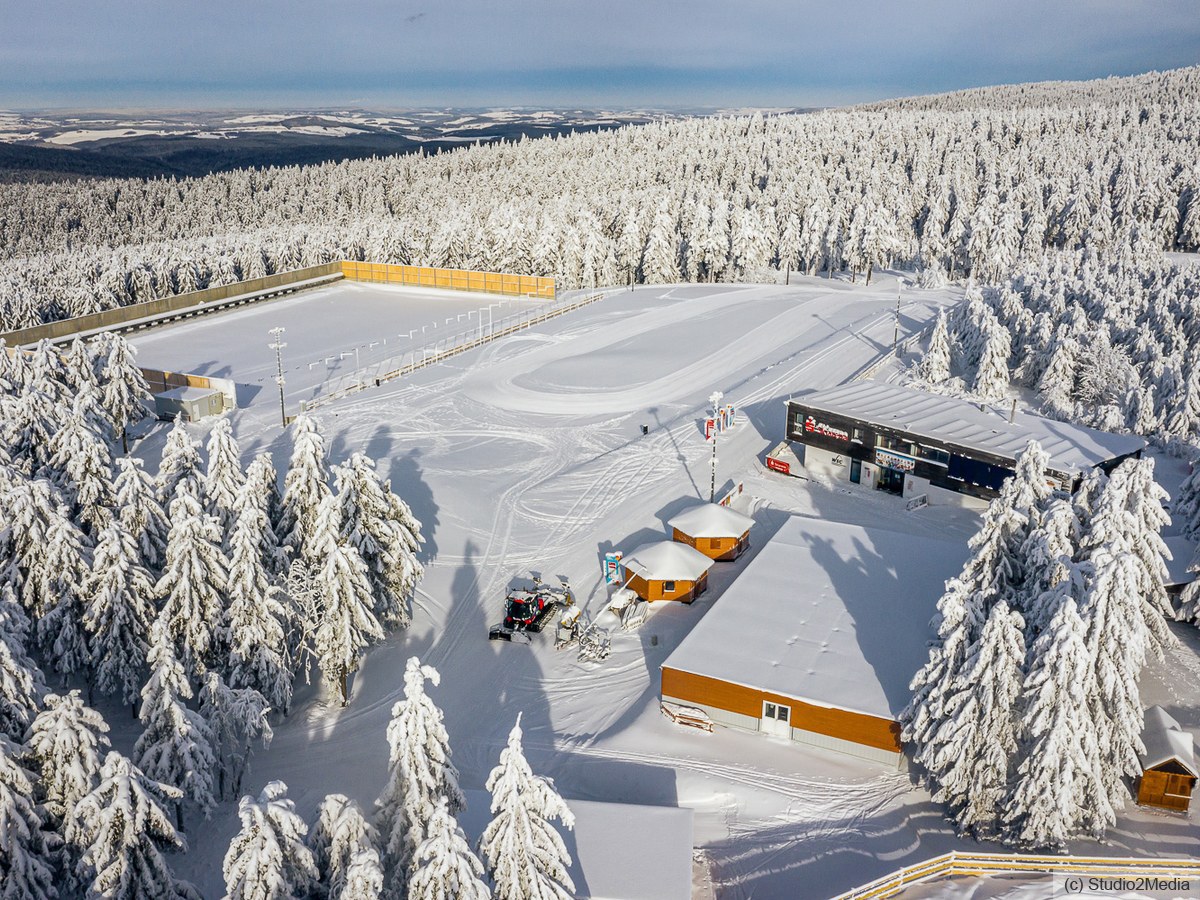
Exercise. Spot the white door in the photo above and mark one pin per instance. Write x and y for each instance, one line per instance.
(776, 719)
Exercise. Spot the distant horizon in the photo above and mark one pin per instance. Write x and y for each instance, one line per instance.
(622, 54)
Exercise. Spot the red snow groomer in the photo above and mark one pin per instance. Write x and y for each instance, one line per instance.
(527, 611)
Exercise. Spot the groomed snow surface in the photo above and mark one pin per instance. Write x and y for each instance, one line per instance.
(527, 455)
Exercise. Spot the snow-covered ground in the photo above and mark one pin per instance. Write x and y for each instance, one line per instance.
(527, 454)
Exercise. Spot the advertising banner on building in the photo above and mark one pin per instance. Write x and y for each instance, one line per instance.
(898, 461)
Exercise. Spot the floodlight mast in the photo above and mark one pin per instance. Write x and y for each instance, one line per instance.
(715, 399)
(277, 345)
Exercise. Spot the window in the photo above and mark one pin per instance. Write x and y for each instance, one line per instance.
(856, 434)
(668, 587)
(895, 444)
(714, 543)
(933, 454)
(776, 711)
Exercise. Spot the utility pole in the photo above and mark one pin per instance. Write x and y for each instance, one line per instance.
(715, 400)
(277, 345)
(896, 328)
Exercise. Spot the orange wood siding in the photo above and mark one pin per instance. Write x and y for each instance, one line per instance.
(724, 548)
(653, 590)
(870, 731)
(1166, 790)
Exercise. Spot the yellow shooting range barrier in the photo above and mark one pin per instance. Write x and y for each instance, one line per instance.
(534, 286)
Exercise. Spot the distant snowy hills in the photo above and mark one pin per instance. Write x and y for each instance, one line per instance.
(133, 143)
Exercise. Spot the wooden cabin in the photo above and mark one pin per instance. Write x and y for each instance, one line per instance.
(667, 571)
(716, 531)
(1168, 765)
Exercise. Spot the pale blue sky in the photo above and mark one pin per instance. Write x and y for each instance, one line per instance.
(389, 53)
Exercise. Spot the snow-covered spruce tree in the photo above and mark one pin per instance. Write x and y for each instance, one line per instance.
(992, 376)
(364, 876)
(253, 623)
(123, 389)
(444, 865)
(1186, 511)
(65, 571)
(267, 859)
(28, 852)
(122, 828)
(968, 757)
(341, 832)
(238, 718)
(261, 492)
(347, 623)
(386, 534)
(993, 573)
(223, 478)
(139, 511)
(82, 464)
(1049, 552)
(934, 366)
(193, 583)
(525, 857)
(305, 488)
(31, 421)
(176, 746)
(67, 741)
(1118, 641)
(79, 366)
(1058, 792)
(21, 682)
(180, 465)
(420, 772)
(1145, 500)
(118, 615)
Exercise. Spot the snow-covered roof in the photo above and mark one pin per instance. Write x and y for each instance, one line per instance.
(619, 851)
(835, 615)
(667, 561)
(711, 520)
(1181, 567)
(961, 423)
(1165, 740)
(188, 393)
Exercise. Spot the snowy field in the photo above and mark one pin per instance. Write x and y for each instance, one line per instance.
(527, 454)
(331, 333)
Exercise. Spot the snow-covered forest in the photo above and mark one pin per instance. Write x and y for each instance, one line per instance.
(1028, 717)
(1109, 340)
(970, 183)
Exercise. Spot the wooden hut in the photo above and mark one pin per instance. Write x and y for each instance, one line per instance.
(667, 571)
(716, 531)
(1168, 765)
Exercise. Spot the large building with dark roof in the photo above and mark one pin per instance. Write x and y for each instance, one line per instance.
(914, 444)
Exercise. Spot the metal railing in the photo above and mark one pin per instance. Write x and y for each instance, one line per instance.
(390, 370)
(957, 864)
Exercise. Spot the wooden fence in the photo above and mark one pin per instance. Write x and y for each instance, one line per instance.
(534, 286)
(955, 864)
(154, 311)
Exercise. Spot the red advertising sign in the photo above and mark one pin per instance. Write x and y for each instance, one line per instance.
(812, 426)
(779, 465)
(709, 427)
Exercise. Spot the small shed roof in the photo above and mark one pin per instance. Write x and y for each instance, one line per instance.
(950, 420)
(667, 561)
(1181, 567)
(1166, 741)
(188, 393)
(711, 520)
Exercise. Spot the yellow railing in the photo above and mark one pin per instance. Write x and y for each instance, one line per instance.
(978, 864)
(453, 279)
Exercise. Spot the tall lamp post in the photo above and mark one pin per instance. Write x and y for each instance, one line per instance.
(896, 326)
(277, 345)
(715, 400)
